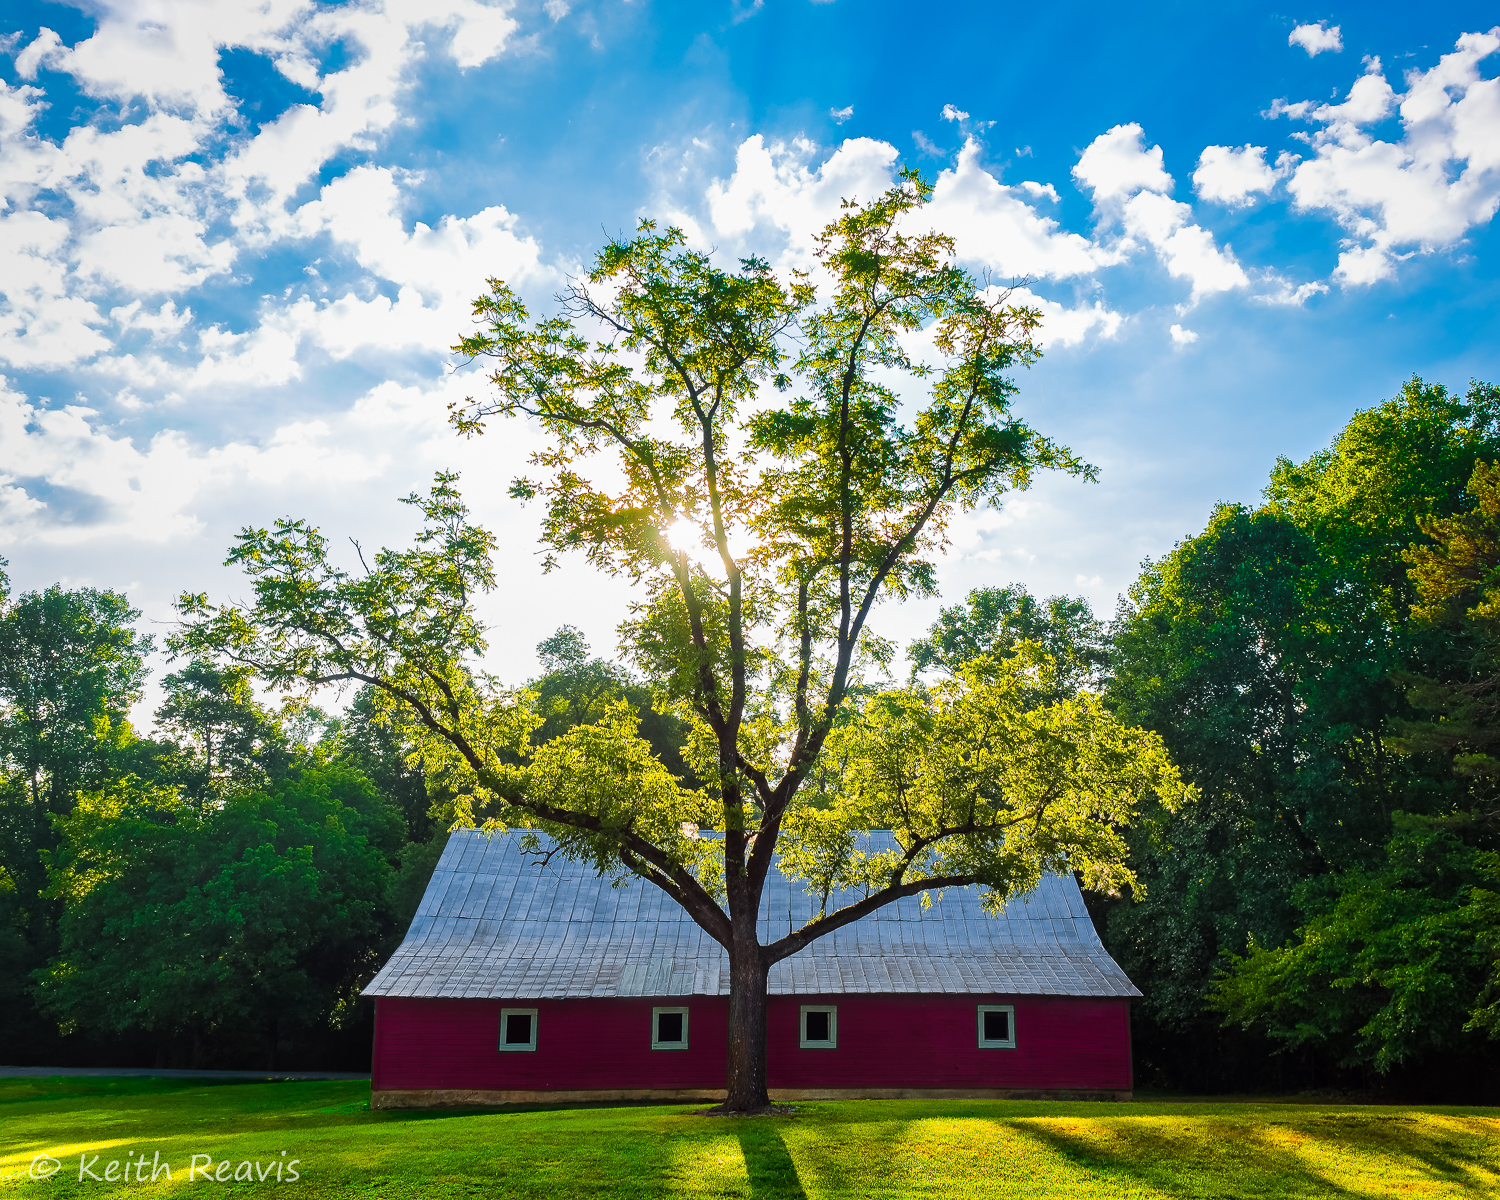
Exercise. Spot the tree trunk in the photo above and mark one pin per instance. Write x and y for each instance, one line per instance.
(747, 1026)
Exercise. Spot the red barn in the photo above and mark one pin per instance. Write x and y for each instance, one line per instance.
(523, 982)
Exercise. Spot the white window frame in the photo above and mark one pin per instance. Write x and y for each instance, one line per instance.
(509, 1047)
(656, 1043)
(997, 1043)
(833, 1027)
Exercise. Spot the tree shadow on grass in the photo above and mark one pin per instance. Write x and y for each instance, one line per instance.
(1179, 1164)
(773, 1174)
(1240, 1161)
(1432, 1142)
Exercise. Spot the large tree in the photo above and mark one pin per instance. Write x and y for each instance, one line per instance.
(765, 495)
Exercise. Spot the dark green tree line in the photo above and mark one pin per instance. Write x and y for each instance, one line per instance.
(212, 893)
(1275, 652)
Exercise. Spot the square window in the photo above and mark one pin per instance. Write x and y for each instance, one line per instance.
(820, 1027)
(997, 1027)
(518, 1029)
(669, 1029)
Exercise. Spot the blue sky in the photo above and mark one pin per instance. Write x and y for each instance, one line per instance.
(234, 245)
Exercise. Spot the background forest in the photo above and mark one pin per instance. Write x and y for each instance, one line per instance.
(1325, 912)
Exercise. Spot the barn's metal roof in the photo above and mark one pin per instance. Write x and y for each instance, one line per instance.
(493, 924)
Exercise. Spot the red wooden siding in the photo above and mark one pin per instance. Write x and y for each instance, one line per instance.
(580, 1044)
(884, 1041)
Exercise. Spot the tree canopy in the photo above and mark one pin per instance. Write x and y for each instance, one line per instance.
(765, 495)
(995, 620)
(253, 922)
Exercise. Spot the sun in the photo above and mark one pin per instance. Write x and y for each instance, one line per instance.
(686, 537)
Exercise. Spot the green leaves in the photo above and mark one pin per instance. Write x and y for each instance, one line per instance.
(978, 779)
(1401, 961)
(71, 664)
(994, 620)
(256, 919)
(405, 625)
(676, 344)
(764, 493)
(1457, 579)
(1275, 651)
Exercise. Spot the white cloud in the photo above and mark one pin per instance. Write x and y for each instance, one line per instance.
(1316, 38)
(1233, 176)
(1130, 184)
(953, 113)
(1117, 164)
(156, 203)
(1187, 250)
(436, 273)
(1181, 336)
(840, 115)
(40, 52)
(265, 356)
(166, 321)
(556, 9)
(1063, 326)
(448, 264)
(780, 188)
(67, 478)
(1287, 294)
(775, 188)
(995, 227)
(1415, 195)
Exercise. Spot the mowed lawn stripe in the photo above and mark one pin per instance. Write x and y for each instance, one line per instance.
(828, 1151)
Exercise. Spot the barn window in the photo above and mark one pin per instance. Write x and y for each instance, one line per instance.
(820, 1027)
(997, 1027)
(669, 1028)
(518, 1029)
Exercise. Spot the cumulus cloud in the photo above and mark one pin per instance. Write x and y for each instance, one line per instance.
(780, 187)
(789, 191)
(840, 115)
(42, 324)
(166, 321)
(1315, 39)
(1064, 326)
(954, 113)
(1285, 293)
(1233, 176)
(448, 263)
(1181, 336)
(67, 477)
(168, 193)
(776, 187)
(1130, 185)
(1423, 192)
(1187, 250)
(1117, 164)
(999, 227)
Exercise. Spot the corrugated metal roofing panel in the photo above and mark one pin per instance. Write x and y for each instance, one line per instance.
(494, 923)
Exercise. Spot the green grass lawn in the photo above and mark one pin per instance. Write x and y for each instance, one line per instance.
(874, 1148)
